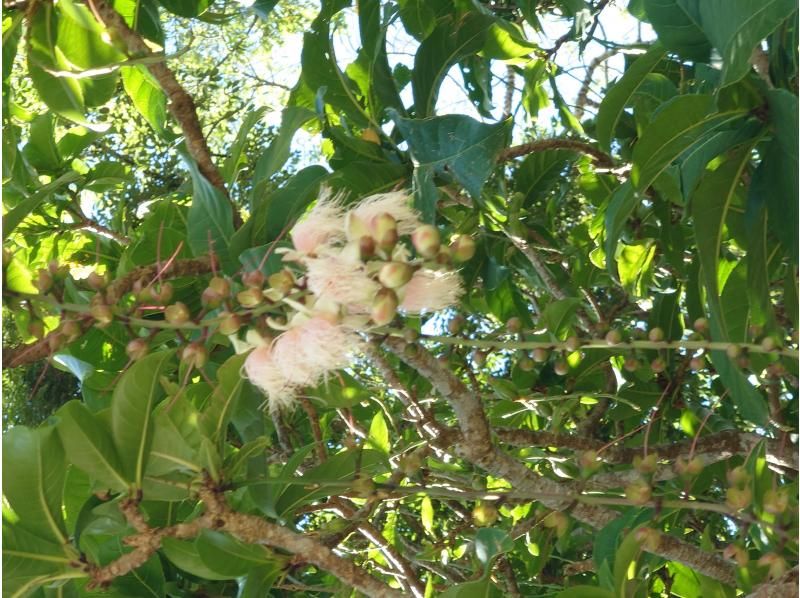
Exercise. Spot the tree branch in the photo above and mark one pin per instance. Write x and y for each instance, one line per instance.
(181, 104)
(541, 145)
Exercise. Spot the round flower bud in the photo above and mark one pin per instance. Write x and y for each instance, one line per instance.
(738, 476)
(254, 278)
(410, 335)
(613, 337)
(282, 282)
(656, 334)
(384, 307)
(55, 341)
(177, 313)
(700, 325)
(210, 298)
(44, 281)
(697, 363)
(572, 344)
(163, 294)
(736, 553)
(589, 461)
(426, 240)
(456, 324)
(540, 355)
(220, 285)
(462, 248)
(648, 537)
(229, 324)
(561, 367)
(645, 465)
(384, 228)
(97, 282)
(769, 343)
(526, 364)
(689, 467)
(658, 365)
(776, 501)
(395, 274)
(479, 358)
(514, 325)
(366, 247)
(484, 515)
(355, 227)
(638, 492)
(70, 329)
(445, 256)
(738, 498)
(136, 349)
(54, 267)
(195, 355)
(631, 364)
(8, 255)
(250, 297)
(102, 314)
(733, 351)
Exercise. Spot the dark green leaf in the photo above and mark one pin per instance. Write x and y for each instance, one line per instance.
(677, 30)
(229, 557)
(186, 8)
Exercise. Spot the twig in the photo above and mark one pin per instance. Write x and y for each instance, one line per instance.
(541, 145)
(583, 95)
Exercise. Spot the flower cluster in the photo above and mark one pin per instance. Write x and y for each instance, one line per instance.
(357, 267)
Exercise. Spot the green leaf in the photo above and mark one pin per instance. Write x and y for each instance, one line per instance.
(176, 438)
(490, 542)
(236, 157)
(459, 145)
(33, 479)
(675, 128)
(41, 150)
(184, 555)
(677, 30)
(142, 16)
(735, 27)
(184, 8)
(263, 7)
(483, 588)
(620, 94)
(217, 413)
(210, 218)
(710, 204)
(583, 591)
(418, 18)
(259, 581)
(379, 434)
(13, 218)
(559, 315)
(451, 41)
(633, 263)
(540, 172)
(146, 95)
(132, 403)
(627, 556)
(426, 514)
(505, 41)
(228, 557)
(89, 446)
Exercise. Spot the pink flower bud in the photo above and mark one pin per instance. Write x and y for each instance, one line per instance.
(426, 240)
(136, 349)
(177, 313)
(195, 355)
(229, 324)
(462, 248)
(250, 297)
(384, 231)
(102, 314)
(254, 278)
(395, 274)
(282, 282)
(384, 307)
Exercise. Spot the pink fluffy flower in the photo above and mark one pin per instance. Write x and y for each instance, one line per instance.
(264, 373)
(430, 290)
(397, 204)
(302, 356)
(322, 225)
(342, 280)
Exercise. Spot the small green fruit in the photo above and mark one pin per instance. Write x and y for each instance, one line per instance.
(136, 349)
(462, 248)
(638, 492)
(613, 337)
(738, 498)
(484, 515)
(177, 313)
(656, 335)
(395, 274)
(426, 240)
(384, 307)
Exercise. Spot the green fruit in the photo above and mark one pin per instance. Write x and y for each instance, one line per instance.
(484, 515)
(177, 313)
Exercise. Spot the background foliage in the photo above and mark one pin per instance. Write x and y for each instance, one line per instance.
(611, 409)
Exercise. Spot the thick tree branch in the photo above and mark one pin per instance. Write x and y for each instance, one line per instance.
(181, 104)
(541, 145)
(247, 528)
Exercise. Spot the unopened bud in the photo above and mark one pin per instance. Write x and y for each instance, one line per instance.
(97, 282)
(55, 341)
(479, 358)
(136, 349)
(589, 461)
(366, 247)
(557, 521)
(355, 227)
(631, 364)
(649, 538)
(44, 281)
(384, 307)
(697, 363)
(658, 365)
(561, 367)
(384, 228)
(645, 465)
(254, 279)
(395, 274)
(220, 286)
(410, 335)
(572, 344)
(177, 313)
(195, 355)
(282, 282)
(102, 314)
(540, 355)
(250, 297)
(689, 467)
(736, 553)
(163, 294)
(769, 343)
(484, 515)
(456, 324)
(210, 298)
(733, 351)
(738, 498)
(656, 334)
(738, 476)
(776, 501)
(701, 325)
(526, 364)
(426, 240)
(514, 325)
(70, 329)
(776, 564)
(8, 255)
(638, 492)
(462, 248)
(53, 266)
(613, 337)
(229, 324)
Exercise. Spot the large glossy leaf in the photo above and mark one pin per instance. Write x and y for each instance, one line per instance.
(30, 561)
(459, 145)
(539, 173)
(674, 129)
(146, 95)
(176, 438)
(418, 18)
(450, 42)
(735, 27)
(184, 555)
(135, 396)
(89, 446)
(186, 8)
(229, 557)
(210, 218)
(482, 588)
(217, 413)
(622, 91)
(142, 17)
(260, 580)
(677, 30)
(236, 157)
(710, 204)
(33, 479)
(14, 217)
(584, 591)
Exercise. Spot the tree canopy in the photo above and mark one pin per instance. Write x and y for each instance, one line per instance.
(490, 299)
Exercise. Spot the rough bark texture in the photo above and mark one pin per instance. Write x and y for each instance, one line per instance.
(542, 145)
